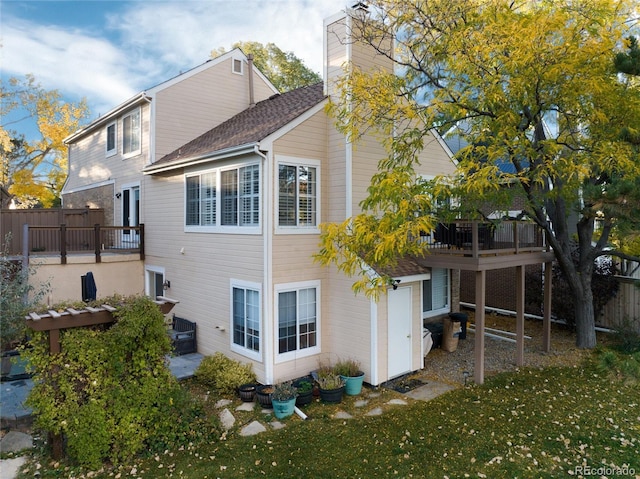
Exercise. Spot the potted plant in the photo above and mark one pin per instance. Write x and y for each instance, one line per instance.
(263, 395)
(353, 377)
(283, 399)
(305, 391)
(331, 388)
(247, 392)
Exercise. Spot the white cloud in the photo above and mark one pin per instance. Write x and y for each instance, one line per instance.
(73, 62)
(146, 43)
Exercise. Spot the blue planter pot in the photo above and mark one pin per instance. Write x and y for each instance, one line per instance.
(283, 409)
(353, 384)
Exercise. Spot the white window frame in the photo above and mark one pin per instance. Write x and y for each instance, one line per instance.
(233, 66)
(114, 150)
(150, 270)
(447, 307)
(244, 351)
(137, 151)
(297, 353)
(297, 228)
(218, 227)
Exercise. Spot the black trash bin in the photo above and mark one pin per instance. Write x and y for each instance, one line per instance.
(462, 318)
(436, 333)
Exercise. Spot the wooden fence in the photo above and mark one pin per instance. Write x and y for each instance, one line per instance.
(13, 221)
(625, 307)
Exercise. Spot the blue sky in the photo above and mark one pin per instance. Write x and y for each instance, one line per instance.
(108, 50)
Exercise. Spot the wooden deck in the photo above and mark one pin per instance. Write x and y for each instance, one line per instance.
(481, 246)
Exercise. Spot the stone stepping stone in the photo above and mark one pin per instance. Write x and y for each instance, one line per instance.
(276, 425)
(373, 395)
(375, 412)
(361, 403)
(398, 402)
(226, 419)
(252, 429)
(223, 403)
(343, 415)
(246, 406)
(16, 441)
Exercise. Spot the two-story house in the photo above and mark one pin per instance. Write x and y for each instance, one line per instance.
(232, 181)
(107, 156)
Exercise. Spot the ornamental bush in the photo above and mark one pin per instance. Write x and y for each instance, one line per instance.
(109, 392)
(223, 374)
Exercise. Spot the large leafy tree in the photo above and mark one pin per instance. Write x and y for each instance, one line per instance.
(285, 70)
(34, 169)
(532, 89)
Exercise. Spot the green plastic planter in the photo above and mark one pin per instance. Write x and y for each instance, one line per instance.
(283, 409)
(353, 384)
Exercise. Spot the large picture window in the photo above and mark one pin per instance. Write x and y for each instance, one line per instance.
(131, 133)
(229, 197)
(297, 195)
(298, 330)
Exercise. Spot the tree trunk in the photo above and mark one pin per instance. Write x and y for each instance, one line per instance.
(585, 315)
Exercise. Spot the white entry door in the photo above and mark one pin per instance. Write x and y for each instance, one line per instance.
(131, 213)
(399, 332)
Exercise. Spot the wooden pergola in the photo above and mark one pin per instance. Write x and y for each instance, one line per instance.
(474, 256)
(53, 321)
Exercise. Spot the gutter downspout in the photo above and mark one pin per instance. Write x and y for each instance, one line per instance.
(267, 317)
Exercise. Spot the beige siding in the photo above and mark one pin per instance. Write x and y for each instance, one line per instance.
(114, 275)
(347, 331)
(90, 169)
(200, 266)
(292, 254)
(189, 108)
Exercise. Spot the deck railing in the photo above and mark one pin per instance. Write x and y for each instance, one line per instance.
(478, 238)
(66, 240)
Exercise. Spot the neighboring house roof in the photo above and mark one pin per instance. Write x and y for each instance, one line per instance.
(247, 127)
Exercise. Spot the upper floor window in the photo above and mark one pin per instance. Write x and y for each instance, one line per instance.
(237, 66)
(131, 133)
(224, 197)
(112, 145)
(297, 195)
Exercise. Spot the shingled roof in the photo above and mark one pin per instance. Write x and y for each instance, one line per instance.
(249, 126)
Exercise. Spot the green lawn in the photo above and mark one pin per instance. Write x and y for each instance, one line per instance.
(531, 423)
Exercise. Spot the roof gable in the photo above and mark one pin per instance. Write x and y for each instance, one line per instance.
(148, 94)
(249, 126)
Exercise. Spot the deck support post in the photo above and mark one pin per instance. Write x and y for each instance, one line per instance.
(520, 293)
(478, 370)
(546, 321)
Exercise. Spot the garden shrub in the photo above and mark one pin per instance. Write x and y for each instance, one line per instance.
(109, 392)
(223, 374)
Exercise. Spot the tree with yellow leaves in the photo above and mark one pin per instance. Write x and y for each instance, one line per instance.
(532, 89)
(34, 170)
